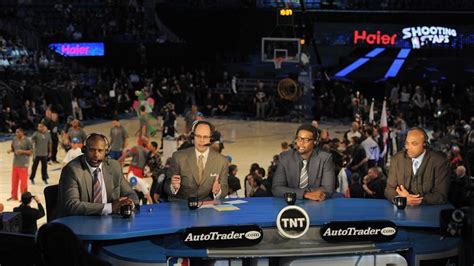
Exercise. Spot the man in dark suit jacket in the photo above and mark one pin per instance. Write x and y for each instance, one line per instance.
(306, 171)
(93, 185)
(29, 215)
(419, 174)
(198, 171)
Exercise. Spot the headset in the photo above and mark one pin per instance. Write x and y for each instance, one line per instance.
(310, 128)
(106, 140)
(200, 122)
(426, 143)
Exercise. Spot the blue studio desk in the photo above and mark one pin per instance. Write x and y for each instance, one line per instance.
(154, 234)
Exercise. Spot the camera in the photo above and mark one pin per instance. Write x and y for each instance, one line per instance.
(456, 222)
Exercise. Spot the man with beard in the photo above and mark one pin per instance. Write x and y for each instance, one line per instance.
(306, 171)
(93, 185)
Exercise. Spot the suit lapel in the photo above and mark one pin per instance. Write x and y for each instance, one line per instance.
(422, 167)
(297, 170)
(207, 167)
(313, 168)
(109, 185)
(87, 177)
(407, 172)
(192, 162)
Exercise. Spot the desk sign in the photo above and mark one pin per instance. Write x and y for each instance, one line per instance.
(222, 236)
(292, 222)
(350, 231)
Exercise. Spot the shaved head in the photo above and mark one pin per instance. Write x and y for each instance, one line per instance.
(414, 143)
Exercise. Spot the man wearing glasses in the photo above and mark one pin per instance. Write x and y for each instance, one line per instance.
(198, 171)
(306, 171)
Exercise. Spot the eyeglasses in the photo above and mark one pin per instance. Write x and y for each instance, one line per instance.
(202, 137)
(304, 140)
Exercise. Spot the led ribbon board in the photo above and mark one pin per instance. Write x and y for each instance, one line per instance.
(78, 49)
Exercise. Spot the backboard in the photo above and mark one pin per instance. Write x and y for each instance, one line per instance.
(286, 49)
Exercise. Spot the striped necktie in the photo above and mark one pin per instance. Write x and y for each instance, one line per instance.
(304, 175)
(97, 186)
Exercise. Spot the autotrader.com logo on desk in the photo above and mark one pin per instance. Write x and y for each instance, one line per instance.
(222, 236)
(350, 231)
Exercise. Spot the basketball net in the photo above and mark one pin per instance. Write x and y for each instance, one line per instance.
(277, 62)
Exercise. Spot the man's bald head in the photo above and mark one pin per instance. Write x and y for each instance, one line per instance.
(415, 141)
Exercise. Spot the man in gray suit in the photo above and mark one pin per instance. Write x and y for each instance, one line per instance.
(92, 184)
(198, 171)
(306, 171)
(418, 173)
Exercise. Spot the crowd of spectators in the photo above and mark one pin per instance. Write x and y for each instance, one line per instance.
(13, 54)
(80, 95)
(89, 20)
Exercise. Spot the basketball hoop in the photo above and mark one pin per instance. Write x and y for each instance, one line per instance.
(277, 62)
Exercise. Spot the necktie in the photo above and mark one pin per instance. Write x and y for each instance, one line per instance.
(200, 167)
(416, 164)
(97, 187)
(304, 175)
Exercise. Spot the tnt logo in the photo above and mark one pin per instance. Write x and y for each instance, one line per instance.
(292, 222)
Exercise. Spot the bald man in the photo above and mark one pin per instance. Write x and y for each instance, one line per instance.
(418, 173)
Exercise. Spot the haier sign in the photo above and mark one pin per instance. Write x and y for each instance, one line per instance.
(78, 49)
(377, 38)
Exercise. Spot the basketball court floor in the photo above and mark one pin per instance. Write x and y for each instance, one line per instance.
(245, 141)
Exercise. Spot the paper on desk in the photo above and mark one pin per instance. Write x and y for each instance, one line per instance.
(225, 207)
(209, 204)
(235, 202)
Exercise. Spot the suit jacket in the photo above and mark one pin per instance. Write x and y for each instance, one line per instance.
(75, 193)
(29, 216)
(321, 174)
(431, 180)
(184, 163)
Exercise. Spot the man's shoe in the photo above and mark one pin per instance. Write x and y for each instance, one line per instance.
(12, 199)
(45, 181)
(32, 181)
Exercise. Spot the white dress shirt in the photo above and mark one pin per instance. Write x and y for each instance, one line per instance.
(418, 161)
